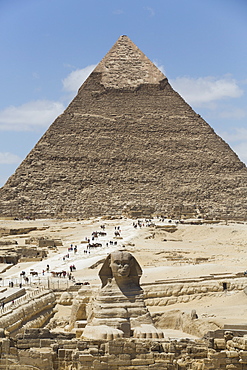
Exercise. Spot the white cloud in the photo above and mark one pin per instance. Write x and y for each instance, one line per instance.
(118, 11)
(9, 158)
(161, 67)
(206, 90)
(150, 11)
(237, 139)
(239, 134)
(241, 150)
(76, 78)
(234, 113)
(30, 116)
(38, 114)
(35, 75)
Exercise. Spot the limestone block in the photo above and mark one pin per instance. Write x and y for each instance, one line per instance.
(141, 362)
(75, 355)
(124, 356)
(158, 366)
(32, 333)
(177, 291)
(217, 355)
(185, 299)
(86, 358)
(41, 358)
(129, 347)
(233, 360)
(230, 345)
(114, 347)
(132, 367)
(164, 356)
(190, 290)
(65, 354)
(232, 354)
(166, 347)
(196, 365)
(161, 302)
(145, 355)
(107, 358)
(98, 365)
(197, 351)
(243, 361)
(119, 362)
(243, 356)
(81, 345)
(240, 342)
(219, 343)
(84, 366)
(168, 293)
(208, 366)
(234, 366)
(33, 343)
(5, 345)
(46, 342)
(171, 301)
(141, 348)
(23, 345)
(13, 351)
(66, 299)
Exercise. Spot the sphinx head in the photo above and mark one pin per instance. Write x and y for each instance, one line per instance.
(120, 265)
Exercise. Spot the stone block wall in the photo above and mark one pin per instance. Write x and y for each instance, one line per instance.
(42, 349)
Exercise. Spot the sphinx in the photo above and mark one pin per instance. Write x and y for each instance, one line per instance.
(118, 310)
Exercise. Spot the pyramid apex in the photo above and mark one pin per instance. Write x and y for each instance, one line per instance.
(125, 65)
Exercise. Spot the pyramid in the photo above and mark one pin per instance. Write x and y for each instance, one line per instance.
(127, 141)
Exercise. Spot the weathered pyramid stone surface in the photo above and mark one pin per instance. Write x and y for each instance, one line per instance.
(127, 139)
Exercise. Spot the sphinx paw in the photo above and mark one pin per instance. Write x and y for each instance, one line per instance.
(145, 331)
(111, 333)
(102, 332)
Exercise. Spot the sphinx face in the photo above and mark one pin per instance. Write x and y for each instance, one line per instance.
(120, 264)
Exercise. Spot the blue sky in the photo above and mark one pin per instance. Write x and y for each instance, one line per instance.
(48, 47)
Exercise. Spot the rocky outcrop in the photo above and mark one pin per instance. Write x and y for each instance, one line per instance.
(169, 293)
(182, 320)
(32, 311)
(127, 140)
(19, 231)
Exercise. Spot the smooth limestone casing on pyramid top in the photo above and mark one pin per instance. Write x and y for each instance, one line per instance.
(127, 139)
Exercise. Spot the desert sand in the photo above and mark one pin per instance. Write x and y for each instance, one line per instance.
(189, 252)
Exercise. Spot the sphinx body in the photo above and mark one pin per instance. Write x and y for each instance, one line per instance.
(119, 309)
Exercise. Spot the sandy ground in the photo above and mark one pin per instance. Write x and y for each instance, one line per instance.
(190, 251)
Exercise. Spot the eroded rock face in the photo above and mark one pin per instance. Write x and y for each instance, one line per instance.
(119, 309)
(79, 309)
(33, 312)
